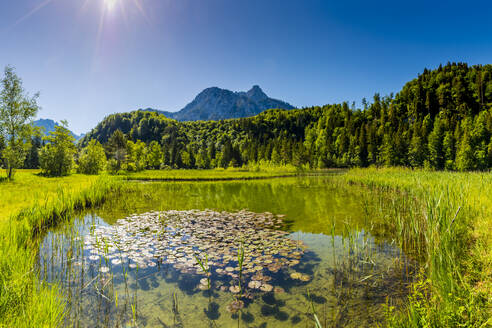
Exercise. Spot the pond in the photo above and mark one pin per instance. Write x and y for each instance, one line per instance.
(289, 252)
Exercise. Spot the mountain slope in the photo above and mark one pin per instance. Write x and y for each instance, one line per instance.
(218, 104)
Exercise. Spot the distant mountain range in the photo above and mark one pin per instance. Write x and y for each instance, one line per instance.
(49, 126)
(218, 104)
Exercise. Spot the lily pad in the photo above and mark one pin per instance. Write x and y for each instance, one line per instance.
(235, 289)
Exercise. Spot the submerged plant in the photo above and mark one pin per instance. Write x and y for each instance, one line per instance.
(175, 307)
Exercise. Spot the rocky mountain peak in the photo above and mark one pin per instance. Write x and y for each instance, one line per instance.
(256, 94)
(216, 104)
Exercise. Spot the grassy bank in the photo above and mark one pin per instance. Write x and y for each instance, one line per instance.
(29, 188)
(214, 174)
(445, 219)
(24, 301)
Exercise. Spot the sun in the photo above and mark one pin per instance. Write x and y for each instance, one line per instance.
(110, 4)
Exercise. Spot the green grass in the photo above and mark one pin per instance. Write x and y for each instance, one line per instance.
(445, 220)
(29, 188)
(24, 301)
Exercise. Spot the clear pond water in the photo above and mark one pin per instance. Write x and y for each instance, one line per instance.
(309, 257)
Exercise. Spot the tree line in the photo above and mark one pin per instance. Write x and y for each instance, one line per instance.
(440, 120)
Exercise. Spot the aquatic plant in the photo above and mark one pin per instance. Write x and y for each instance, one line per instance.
(240, 262)
(175, 237)
(134, 314)
(313, 311)
(205, 267)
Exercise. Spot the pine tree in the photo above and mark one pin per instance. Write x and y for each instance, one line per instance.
(416, 152)
(227, 154)
(449, 150)
(465, 157)
(116, 150)
(436, 149)
(362, 148)
(165, 159)
(32, 158)
(489, 150)
(186, 159)
(276, 156)
(481, 156)
(388, 155)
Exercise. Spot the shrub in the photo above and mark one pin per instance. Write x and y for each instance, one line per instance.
(92, 158)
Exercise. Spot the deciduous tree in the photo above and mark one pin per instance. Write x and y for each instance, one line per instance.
(17, 110)
(92, 159)
(57, 156)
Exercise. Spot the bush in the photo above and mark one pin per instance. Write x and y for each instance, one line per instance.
(92, 158)
(131, 167)
(113, 166)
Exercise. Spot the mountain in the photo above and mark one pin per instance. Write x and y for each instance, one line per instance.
(218, 104)
(49, 126)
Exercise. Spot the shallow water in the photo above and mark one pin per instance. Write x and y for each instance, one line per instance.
(349, 273)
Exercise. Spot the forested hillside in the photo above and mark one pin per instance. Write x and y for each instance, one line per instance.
(442, 120)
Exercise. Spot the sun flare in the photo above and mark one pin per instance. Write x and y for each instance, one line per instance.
(110, 4)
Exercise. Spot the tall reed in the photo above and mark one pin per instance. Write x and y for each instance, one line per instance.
(439, 218)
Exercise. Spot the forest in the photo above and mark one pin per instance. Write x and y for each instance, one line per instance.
(440, 120)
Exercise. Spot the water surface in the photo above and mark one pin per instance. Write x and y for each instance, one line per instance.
(349, 273)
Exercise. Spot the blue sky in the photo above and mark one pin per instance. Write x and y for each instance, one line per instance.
(90, 58)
